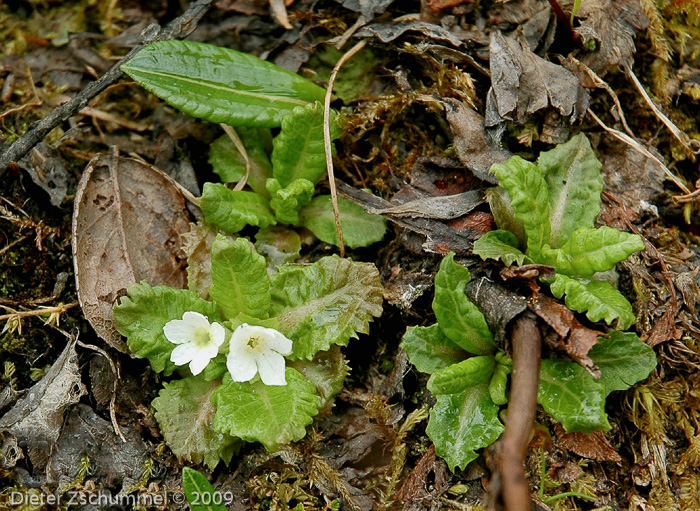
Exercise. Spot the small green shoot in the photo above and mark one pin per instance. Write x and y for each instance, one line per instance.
(200, 493)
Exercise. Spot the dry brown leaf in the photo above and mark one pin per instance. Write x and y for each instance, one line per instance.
(36, 419)
(523, 83)
(593, 446)
(571, 337)
(127, 227)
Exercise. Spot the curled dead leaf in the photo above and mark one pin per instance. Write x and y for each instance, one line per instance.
(127, 226)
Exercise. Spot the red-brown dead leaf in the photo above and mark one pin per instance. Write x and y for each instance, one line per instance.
(571, 337)
(593, 446)
(528, 271)
(127, 227)
(665, 327)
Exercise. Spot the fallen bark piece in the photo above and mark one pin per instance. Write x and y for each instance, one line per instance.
(127, 226)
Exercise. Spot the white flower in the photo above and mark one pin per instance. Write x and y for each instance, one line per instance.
(256, 349)
(198, 341)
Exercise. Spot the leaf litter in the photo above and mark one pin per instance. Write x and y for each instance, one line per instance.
(391, 136)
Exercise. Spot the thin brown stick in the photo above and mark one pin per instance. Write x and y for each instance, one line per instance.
(512, 484)
(179, 28)
(327, 140)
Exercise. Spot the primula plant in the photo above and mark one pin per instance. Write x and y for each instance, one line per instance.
(546, 213)
(225, 86)
(547, 210)
(252, 345)
(256, 362)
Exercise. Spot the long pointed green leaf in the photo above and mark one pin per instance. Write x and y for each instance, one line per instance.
(298, 151)
(529, 199)
(458, 317)
(239, 279)
(220, 85)
(598, 299)
(573, 177)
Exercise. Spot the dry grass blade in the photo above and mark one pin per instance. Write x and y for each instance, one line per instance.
(327, 140)
(241, 149)
(691, 145)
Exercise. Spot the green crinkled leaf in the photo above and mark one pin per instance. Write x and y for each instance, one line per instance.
(233, 210)
(591, 250)
(298, 151)
(461, 423)
(142, 314)
(623, 360)
(199, 489)
(459, 377)
(325, 303)
(271, 415)
(529, 200)
(219, 84)
(185, 415)
(278, 244)
(572, 396)
(459, 319)
(573, 177)
(327, 370)
(229, 164)
(239, 279)
(499, 245)
(430, 350)
(598, 299)
(360, 229)
(286, 202)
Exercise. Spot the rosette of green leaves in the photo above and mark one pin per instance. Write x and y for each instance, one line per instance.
(546, 213)
(226, 86)
(205, 418)
(469, 375)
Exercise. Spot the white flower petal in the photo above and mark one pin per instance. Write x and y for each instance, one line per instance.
(271, 368)
(183, 354)
(240, 364)
(278, 342)
(178, 331)
(196, 319)
(198, 364)
(217, 334)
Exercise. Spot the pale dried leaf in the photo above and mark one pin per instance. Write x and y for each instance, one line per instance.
(36, 419)
(127, 227)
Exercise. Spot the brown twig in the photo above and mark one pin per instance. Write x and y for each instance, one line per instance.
(510, 481)
(327, 140)
(179, 28)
